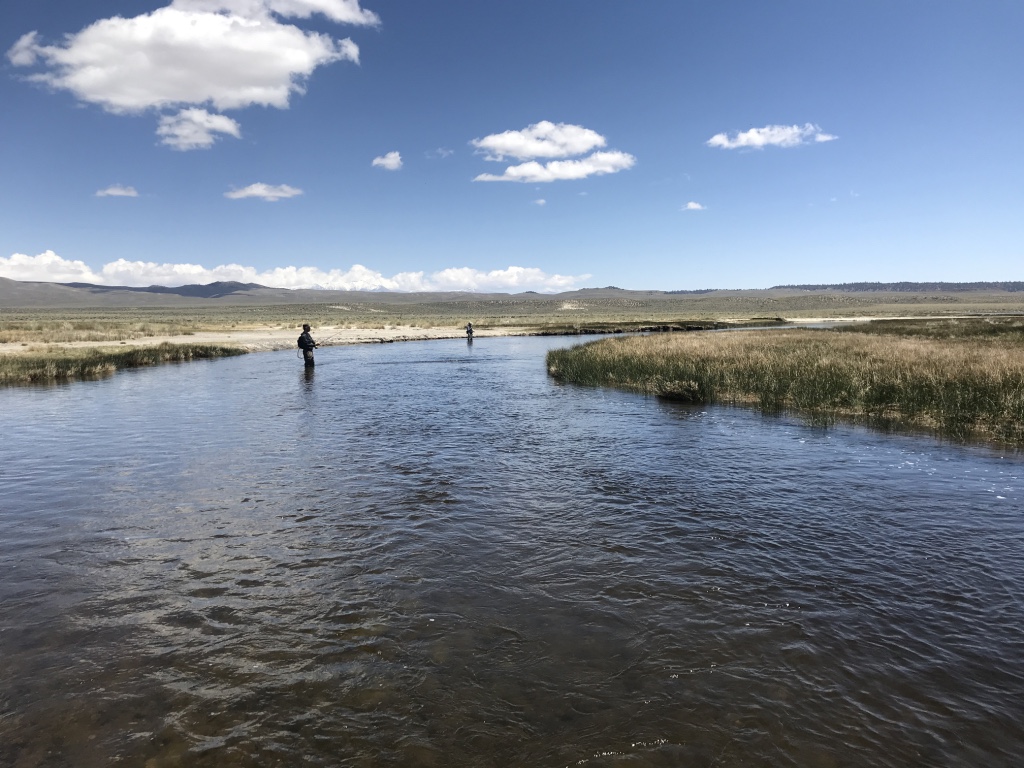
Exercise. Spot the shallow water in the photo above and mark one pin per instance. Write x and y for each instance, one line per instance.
(430, 554)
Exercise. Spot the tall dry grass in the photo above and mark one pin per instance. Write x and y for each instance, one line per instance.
(59, 330)
(50, 365)
(961, 386)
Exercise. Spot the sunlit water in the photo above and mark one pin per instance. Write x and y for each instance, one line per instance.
(430, 554)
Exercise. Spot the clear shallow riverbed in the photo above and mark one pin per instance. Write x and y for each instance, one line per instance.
(430, 554)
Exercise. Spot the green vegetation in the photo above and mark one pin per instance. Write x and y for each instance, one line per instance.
(40, 366)
(960, 378)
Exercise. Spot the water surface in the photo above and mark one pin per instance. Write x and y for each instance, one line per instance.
(430, 554)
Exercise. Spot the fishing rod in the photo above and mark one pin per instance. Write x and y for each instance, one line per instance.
(330, 337)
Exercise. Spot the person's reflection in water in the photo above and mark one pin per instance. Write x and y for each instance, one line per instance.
(307, 375)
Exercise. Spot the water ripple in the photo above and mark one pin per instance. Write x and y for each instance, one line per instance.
(430, 554)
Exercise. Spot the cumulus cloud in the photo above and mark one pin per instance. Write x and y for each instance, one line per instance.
(771, 136)
(513, 279)
(692, 206)
(269, 192)
(541, 202)
(49, 267)
(230, 54)
(543, 139)
(117, 191)
(195, 129)
(596, 164)
(546, 140)
(392, 161)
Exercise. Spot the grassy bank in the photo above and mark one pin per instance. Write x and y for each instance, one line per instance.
(43, 365)
(960, 383)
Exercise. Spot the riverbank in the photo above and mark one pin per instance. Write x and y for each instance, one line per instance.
(959, 379)
(64, 364)
(58, 342)
(264, 339)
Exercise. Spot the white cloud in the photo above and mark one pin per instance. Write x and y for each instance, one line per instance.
(392, 161)
(596, 164)
(268, 192)
(230, 54)
(541, 202)
(771, 136)
(692, 206)
(341, 11)
(546, 140)
(440, 153)
(543, 139)
(49, 267)
(117, 190)
(195, 129)
(512, 279)
(24, 53)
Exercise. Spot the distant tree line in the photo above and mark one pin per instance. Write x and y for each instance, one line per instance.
(905, 287)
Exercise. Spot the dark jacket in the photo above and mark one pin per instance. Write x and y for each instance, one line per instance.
(306, 341)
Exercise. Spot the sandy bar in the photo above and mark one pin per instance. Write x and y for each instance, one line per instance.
(267, 339)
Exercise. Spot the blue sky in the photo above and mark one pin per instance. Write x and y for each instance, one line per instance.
(467, 145)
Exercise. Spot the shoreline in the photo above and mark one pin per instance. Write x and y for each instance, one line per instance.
(276, 339)
(273, 339)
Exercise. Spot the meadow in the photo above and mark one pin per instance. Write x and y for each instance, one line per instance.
(960, 378)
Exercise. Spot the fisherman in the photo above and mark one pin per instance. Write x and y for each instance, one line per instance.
(469, 330)
(307, 345)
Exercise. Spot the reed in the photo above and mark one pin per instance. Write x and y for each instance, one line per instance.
(1006, 328)
(50, 365)
(961, 387)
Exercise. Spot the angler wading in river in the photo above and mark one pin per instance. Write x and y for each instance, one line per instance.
(307, 345)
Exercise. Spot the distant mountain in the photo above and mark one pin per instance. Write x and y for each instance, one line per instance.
(23, 293)
(209, 291)
(41, 295)
(1011, 287)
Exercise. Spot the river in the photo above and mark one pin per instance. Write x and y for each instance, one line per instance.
(430, 554)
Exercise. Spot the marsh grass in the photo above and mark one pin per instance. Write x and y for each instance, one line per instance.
(1005, 328)
(43, 365)
(965, 386)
